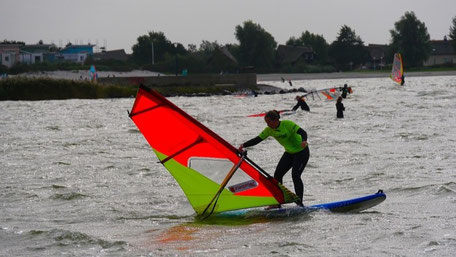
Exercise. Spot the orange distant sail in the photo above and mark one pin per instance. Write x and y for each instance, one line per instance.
(330, 93)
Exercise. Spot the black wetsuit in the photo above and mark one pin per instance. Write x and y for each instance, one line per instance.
(297, 162)
(340, 109)
(344, 92)
(301, 103)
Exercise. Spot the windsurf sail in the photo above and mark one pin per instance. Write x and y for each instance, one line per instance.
(329, 93)
(214, 176)
(397, 71)
(93, 73)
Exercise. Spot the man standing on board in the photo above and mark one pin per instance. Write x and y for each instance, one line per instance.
(296, 155)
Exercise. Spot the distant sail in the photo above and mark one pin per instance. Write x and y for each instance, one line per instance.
(398, 70)
(330, 93)
(211, 172)
(93, 73)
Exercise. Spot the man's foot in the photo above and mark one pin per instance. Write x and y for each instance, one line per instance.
(300, 204)
(270, 207)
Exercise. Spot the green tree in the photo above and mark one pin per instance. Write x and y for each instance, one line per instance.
(11, 42)
(348, 50)
(453, 33)
(256, 46)
(317, 42)
(207, 47)
(142, 50)
(192, 48)
(411, 38)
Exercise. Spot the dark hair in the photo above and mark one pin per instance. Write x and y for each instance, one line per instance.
(272, 115)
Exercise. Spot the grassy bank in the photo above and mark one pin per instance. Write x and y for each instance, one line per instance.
(34, 89)
(52, 89)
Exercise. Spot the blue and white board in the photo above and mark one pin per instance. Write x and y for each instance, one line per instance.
(350, 205)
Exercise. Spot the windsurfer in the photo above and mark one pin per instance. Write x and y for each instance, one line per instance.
(340, 107)
(345, 90)
(294, 140)
(301, 103)
(397, 71)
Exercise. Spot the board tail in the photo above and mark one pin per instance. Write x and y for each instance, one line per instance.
(355, 204)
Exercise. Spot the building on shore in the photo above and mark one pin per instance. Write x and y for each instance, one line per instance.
(75, 53)
(222, 60)
(9, 54)
(442, 53)
(290, 55)
(377, 54)
(30, 54)
(117, 55)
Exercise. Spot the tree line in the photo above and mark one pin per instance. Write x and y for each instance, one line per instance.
(256, 49)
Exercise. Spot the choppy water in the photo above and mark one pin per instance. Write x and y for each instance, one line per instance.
(78, 179)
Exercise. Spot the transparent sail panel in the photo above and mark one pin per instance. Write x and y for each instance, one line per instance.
(217, 169)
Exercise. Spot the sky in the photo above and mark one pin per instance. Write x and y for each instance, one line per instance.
(116, 24)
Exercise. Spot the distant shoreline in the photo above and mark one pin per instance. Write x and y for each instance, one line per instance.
(75, 84)
(346, 75)
(85, 75)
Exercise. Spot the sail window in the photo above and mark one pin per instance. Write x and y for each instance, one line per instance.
(217, 169)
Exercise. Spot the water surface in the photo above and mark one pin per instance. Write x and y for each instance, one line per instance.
(78, 179)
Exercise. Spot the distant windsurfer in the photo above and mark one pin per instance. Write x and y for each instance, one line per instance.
(345, 90)
(402, 80)
(340, 107)
(301, 103)
(296, 155)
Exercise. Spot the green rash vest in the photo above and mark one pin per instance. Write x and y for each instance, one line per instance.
(286, 134)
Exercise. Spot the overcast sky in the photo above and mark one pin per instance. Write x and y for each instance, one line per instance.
(117, 24)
